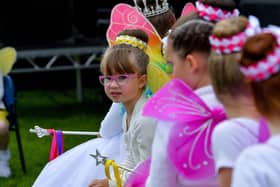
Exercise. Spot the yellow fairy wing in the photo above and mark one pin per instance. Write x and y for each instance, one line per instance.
(157, 77)
(8, 57)
(159, 71)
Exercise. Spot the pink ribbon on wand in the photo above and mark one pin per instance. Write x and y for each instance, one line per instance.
(57, 146)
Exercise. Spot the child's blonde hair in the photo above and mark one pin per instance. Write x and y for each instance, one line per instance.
(224, 68)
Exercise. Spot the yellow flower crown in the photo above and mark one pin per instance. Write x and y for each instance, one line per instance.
(131, 40)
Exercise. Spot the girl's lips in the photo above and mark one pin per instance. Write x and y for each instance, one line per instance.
(115, 94)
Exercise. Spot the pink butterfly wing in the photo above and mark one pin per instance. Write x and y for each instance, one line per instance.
(176, 101)
(189, 147)
(188, 8)
(139, 176)
(264, 132)
(124, 16)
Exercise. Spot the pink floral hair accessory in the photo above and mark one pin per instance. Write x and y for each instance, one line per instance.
(235, 43)
(211, 13)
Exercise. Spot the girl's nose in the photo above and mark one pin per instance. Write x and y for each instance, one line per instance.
(114, 83)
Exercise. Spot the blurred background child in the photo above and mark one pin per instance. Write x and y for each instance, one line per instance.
(242, 128)
(259, 165)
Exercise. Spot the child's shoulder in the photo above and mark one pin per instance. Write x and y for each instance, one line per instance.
(257, 166)
(244, 131)
(237, 128)
(258, 156)
(145, 122)
(269, 150)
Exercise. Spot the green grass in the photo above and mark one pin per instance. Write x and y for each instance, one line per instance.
(49, 109)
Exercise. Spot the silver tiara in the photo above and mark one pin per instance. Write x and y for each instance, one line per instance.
(153, 11)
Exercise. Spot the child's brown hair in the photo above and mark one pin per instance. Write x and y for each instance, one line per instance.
(267, 92)
(163, 22)
(190, 37)
(125, 58)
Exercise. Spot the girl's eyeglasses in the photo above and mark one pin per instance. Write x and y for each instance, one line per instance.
(121, 79)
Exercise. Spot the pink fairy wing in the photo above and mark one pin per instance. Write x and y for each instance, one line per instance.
(176, 101)
(188, 8)
(264, 133)
(189, 147)
(139, 176)
(124, 16)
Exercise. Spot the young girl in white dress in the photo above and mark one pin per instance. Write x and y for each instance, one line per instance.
(242, 128)
(162, 21)
(259, 165)
(60, 172)
(111, 143)
(124, 78)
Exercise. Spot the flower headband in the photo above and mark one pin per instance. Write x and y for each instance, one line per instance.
(235, 43)
(266, 67)
(211, 13)
(131, 40)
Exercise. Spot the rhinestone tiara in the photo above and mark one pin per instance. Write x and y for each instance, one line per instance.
(153, 11)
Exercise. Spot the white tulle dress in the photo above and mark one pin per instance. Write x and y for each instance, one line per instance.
(76, 168)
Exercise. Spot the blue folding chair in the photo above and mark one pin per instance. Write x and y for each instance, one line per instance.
(10, 104)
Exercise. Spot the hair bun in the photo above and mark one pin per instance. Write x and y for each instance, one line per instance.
(257, 47)
(230, 27)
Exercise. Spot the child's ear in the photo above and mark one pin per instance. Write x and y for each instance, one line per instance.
(193, 62)
(142, 81)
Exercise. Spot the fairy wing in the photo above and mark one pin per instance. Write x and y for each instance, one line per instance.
(188, 8)
(176, 102)
(189, 147)
(157, 77)
(140, 174)
(7, 59)
(124, 16)
(264, 133)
